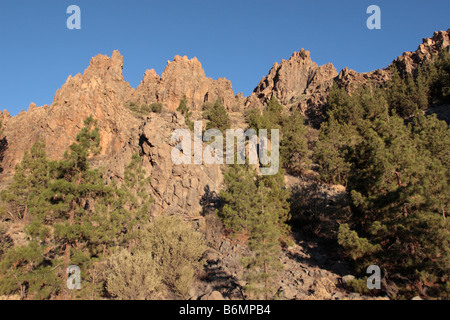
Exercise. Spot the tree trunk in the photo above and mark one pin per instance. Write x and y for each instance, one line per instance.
(25, 211)
(68, 245)
(266, 271)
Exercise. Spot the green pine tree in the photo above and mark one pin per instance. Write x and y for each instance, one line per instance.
(258, 208)
(30, 180)
(238, 198)
(217, 117)
(264, 242)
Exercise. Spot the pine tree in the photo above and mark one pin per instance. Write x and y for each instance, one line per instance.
(73, 186)
(137, 198)
(264, 242)
(238, 198)
(278, 198)
(294, 144)
(397, 178)
(217, 117)
(271, 118)
(440, 79)
(357, 247)
(292, 130)
(30, 179)
(342, 107)
(25, 270)
(258, 207)
(331, 152)
(74, 217)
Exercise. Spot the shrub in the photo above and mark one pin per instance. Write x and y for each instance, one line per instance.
(303, 54)
(236, 108)
(186, 112)
(135, 109)
(133, 276)
(156, 107)
(207, 106)
(358, 286)
(144, 109)
(177, 250)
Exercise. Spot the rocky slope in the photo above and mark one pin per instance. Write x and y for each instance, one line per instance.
(101, 91)
(409, 61)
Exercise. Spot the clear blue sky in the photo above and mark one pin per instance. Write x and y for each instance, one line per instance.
(235, 39)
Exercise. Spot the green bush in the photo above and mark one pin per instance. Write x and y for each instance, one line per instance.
(186, 112)
(358, 286)
(133, 276)
(218, 117)
(292, 130)
(139, 111)
(177, 250)
(156, 107)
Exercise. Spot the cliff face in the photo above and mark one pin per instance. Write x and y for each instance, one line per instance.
(182, 77)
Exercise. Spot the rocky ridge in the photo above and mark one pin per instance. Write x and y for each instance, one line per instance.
(297, 83)
(407, 63)
(182, 77)
(301, 84)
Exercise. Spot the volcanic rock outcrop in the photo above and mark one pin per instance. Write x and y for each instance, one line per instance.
(409, 61)
(298, 82)
(183, 77)
(98, 92)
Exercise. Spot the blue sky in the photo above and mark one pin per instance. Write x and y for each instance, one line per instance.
(235, 39)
